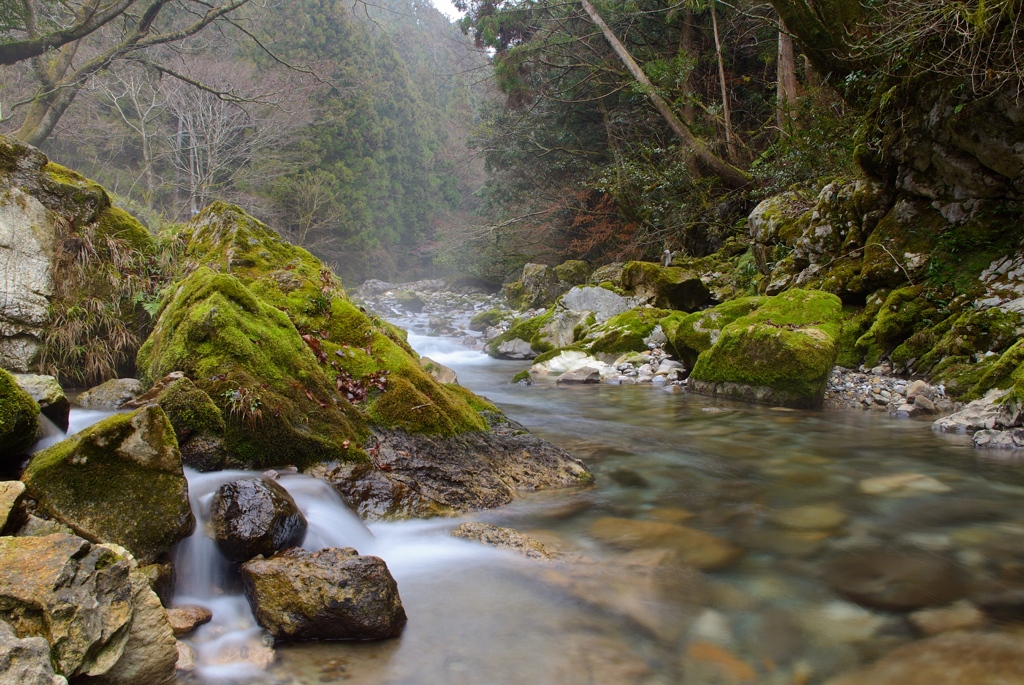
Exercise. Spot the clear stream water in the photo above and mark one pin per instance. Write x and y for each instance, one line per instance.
(481, 616)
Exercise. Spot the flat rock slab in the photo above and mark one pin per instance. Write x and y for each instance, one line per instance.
(903, 485)
(811, 517)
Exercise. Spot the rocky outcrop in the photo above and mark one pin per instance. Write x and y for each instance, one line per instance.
(333, 594)
(781, 352)
(46, 391)
(120, 481)
(504, 538)
(255, 516)
(99, 619)
(426, 475)
(25, 661)
(48, 215)
(26, 249)
(19, 422)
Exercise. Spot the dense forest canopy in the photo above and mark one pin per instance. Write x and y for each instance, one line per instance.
(390, 142)
(342, 124)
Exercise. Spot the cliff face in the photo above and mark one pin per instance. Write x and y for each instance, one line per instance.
(73, 271)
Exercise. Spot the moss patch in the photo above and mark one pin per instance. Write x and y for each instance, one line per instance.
(120, 481)
(788, 344)
(19, 418)
(668, 287)
(525, 329)
(691, 334)
(624, 332)
(484, 320)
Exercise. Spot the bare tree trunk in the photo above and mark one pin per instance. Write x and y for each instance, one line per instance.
(726, 112)
(786, 92)
(686, 47)
(716, 165)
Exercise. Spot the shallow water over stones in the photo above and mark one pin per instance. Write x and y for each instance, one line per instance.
(785, 488)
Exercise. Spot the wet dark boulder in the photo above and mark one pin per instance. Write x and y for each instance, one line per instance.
(895, 579)
(255, 516)
(333, 594)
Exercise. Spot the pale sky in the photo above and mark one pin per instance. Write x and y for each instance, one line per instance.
(447, 8)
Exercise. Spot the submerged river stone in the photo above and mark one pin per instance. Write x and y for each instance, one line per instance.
(333, 594)
(952, 659)
(895, 579)
(120, 480)
(695, 547)
(255, 516)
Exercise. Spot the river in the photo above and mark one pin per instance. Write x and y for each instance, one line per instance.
(794, 489)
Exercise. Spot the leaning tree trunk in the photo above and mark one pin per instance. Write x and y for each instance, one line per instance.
(729, 174)
(726, 112)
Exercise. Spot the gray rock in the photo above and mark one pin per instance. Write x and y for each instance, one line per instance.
(26, 275)
(76, 596)
(150, 652)
(1012, 439)
(255, 516)
(609, 273)
(112, 394)
(603, 303)
(48, 394)
(25, 661)
(925, 405)
(516, 349)
(560, 330)
(907, 411)
(185, 619)
(918, 387)
(586, 374)
(440, 372)
(986, 413)
(333, 594)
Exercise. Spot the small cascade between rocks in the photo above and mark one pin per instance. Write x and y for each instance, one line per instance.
(231, 647)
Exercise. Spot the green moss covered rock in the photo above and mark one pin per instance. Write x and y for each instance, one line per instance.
(690, 334)
(665, 287)
(120, 481)
(19, 419)
(198, 424)
(484, 320)
(623, 333)
(780, 353)
(904, 312)
(298, 371)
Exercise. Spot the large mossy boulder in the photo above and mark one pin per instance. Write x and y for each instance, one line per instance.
(102, 622)
(781, 352)
(19, 419)
(666, 287)
(119, 481)
(255, 516)
(66, 251)
(540, 285)
(333, 594)
(690, 334)
(302, 376)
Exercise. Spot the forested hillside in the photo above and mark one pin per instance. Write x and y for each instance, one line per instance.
(343, 125)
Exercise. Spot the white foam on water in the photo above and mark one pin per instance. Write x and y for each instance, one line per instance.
(230, 648)
(446, 351)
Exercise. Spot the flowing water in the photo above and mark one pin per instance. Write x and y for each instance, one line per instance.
(479, 615)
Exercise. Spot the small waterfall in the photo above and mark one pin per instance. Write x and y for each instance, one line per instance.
(80, 419)
(230, 647)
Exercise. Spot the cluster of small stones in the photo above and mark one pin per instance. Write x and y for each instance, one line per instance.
(876, 389)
